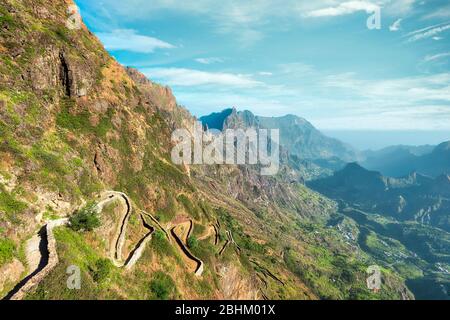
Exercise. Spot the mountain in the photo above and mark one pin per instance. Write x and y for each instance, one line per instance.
(415, 150)
(297, 136)
(87, 182)
(412, 198)
(400, 161)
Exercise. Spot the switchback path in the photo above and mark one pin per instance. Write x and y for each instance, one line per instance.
(184, 230)
(47, 256)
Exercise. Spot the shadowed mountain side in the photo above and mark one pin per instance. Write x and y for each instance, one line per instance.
(414, 197)
(401, 161)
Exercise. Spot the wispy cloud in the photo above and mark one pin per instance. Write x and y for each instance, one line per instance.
(442, 12)
(344, 8)
(437, 56)
(209, 60)
(396, 25)
(189, 77)
(130, 40)
(246, 20)
(414, 90)
(428, 32)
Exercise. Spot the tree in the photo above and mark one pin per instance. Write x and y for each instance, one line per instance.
(192, 242)
(85, 219)
(162, 287)
(101, 270)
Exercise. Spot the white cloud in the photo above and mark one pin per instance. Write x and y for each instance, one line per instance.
(427, 117)
(209, 60)
(428, 32)
(344, 8)
(443, 12)
(340, 101)
(396, 25)
(397, 7)
(297, 68)
(130, 40)
(412, 90)
(437, 56)
(265, 73)
(246, 20)
(189, 77)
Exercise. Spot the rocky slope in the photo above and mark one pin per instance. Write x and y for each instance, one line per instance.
(74, 123)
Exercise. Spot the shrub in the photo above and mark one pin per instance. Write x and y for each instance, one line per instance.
(192, 242)
(10, 205)
(161, 245)
(189, 206)
(85, 220)
(162, 287)
(7, 249)
(102, 270)
(6, 19)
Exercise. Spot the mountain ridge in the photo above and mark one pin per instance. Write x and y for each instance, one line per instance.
(297, 135)
(399, 162)
(413, 197)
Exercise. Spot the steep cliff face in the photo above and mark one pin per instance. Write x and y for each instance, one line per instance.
(74, 123)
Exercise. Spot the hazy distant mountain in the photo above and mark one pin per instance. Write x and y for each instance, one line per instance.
(413, 197)
(297, 136)
(401, 160)
(415, 150)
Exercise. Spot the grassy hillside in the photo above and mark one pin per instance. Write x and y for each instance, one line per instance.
(75, 123)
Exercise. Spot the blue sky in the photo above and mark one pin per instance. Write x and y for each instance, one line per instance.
(316, 59)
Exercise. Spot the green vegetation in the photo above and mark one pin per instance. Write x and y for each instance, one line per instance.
(199, 230)
(62, 34)
(101, 270)
(73, 249)
(204, 250)
(67, 119)
(7, 249)
(89, 184)
(10, 205)
(242, 239)
(51, 162)
(29, 105)
(50, 214)
(162, 286)
(161, 245)
(192, 242)
(85, 219)
(168, 212)
(191, 208)
(6, 19)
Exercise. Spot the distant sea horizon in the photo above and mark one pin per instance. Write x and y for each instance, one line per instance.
(376, 140)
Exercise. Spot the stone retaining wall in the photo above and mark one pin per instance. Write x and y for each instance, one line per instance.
(52, 260)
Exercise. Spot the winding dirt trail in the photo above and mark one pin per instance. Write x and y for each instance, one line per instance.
(138, 250)
(41, 251)
(266, 272)
(181, 233)
(158, 224)
(120, 237)
(42, 258)
(209, 232)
